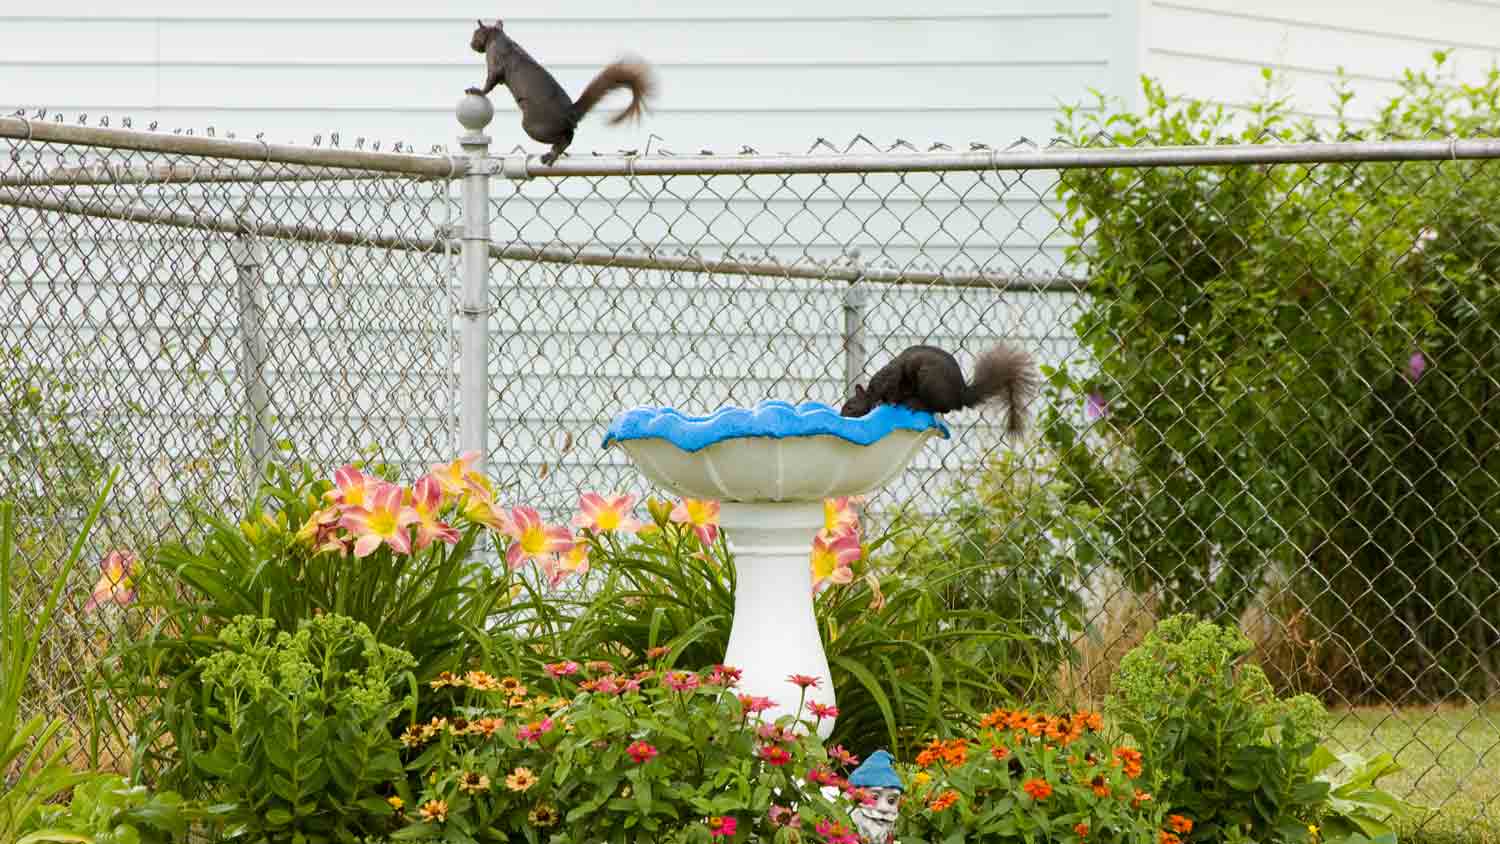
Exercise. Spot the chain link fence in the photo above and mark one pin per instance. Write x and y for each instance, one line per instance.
(1273, 373)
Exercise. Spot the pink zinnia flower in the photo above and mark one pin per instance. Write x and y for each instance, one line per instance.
(804, 681)
(601, 515)
(116, 580)
(384, 521)
(775, 733)
(755, 705)
(532, 538)
(723, 675)
(562, 669)
(534, 730)
(641, 751)
(721, 827)
(426, 501)
(842, 756)
(836, 833)
(821, 775)
(682, 681)
(821, 710)
(702, 516)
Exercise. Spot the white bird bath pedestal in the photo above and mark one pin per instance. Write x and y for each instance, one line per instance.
(771, 466)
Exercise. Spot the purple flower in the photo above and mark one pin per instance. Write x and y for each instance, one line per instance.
(1095, 407)
(1415, 366)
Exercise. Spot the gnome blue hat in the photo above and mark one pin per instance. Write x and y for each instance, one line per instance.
(876, 772)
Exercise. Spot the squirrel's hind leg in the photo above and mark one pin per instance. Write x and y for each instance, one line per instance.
(557, 150)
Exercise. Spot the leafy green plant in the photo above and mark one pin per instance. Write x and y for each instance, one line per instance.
(1024, 776)
(107, 809)
(643, 755)
(290, 559)
(302, 728)
(1029, 544)
(31, 754)
(1223, 749)
(1357, 808)
(1292, 367)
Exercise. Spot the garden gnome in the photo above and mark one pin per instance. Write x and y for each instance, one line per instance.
(877, 823)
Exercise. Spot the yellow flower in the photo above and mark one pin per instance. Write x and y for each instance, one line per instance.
(473, 783)
(520, 779)
(396, 802)
(434, 811)
(543, 816)
(922, 778)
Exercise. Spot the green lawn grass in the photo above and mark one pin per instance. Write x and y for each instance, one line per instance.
(1451, 760)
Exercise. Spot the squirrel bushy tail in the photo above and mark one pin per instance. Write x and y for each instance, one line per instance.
(1008, 374)
(626, 73)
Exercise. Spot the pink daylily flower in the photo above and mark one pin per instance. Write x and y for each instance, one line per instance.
(533, 538)
(600, 514)
(479, 505)
(840, 516)
(832, 558)
(352, 488)
(384, 521)
(559, 567)
(426, 500)
(701, 515)
(116, 580)
(454, 476)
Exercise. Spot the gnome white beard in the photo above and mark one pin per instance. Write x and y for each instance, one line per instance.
(877, 822)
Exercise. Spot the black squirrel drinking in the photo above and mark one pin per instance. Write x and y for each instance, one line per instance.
(926, 378)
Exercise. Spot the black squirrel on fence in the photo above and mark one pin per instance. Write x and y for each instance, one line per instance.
(926, 378)
(547, 113)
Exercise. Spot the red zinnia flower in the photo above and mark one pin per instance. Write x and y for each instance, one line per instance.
(641, 751)
(775, 755)
(804, 681)
(720, 827)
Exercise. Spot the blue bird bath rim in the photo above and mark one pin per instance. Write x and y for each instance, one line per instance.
(771, 418)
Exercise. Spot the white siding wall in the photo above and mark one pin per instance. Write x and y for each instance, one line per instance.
(774, 75)
(1215, 49)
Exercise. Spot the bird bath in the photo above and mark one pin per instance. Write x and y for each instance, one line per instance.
(770, 467)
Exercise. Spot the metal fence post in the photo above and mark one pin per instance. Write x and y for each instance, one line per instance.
(855, 301)
(475, 113)
(249, 267)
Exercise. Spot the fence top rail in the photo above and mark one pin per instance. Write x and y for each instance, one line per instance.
(432, 166)
(522, 166)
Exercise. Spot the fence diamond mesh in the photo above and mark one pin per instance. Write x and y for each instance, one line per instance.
(1271, 385)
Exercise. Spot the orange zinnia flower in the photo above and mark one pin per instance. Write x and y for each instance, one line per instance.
(1179, 824)
(1038, 789)
(1100, 786)
(944, 800)
(955, 752)
(1082, 830)
(1165, 837)
(1132, 760)
(993, 719)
